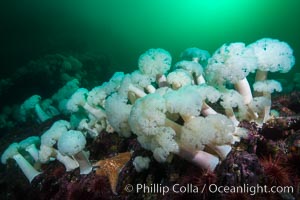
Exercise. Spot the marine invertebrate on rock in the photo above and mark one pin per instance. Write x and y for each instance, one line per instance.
(163, 136)
(72, 143)
(276, 174)
(194, 69)
(232, 63)
(111, 167)
(179, 78)
(272, 56)
(62, 95)
(79, 100)
(49, 140)
(154, 62)
(206, 177)
(32, 106)
(117, 111)
(231, 99)
(141, 163)
(267, 87)
(29, 144)
(12, 153)
(186, 117)
(196, 55)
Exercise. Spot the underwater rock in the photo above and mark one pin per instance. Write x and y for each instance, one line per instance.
(240, 168)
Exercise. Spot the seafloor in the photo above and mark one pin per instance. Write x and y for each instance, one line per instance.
(270, 156)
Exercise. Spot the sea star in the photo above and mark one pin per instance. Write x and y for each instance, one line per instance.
(111, 167)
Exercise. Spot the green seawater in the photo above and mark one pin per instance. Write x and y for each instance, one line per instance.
(122, 30)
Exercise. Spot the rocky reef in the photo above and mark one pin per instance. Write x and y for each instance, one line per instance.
(270, 156)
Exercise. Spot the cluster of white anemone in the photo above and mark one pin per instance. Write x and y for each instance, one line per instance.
(169, 109)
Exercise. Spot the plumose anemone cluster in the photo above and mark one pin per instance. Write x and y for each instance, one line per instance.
(191, 109)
